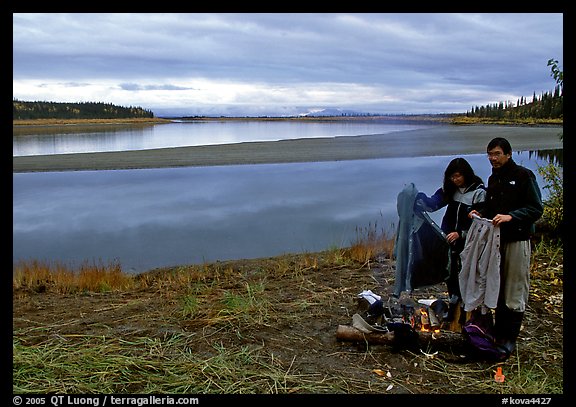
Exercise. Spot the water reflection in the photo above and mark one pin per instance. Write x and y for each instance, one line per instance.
(159, 217)
(554, 156)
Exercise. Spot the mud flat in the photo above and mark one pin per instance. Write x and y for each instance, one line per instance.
(433, 141)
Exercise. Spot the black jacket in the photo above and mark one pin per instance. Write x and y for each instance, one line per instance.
(513, 190)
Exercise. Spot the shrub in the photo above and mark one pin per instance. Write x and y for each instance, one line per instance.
(553, 216)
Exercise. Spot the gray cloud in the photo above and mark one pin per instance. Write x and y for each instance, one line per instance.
(416, 62)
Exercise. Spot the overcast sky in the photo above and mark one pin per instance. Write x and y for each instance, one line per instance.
(275, 64)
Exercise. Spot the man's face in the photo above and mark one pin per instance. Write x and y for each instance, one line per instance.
(497, 157)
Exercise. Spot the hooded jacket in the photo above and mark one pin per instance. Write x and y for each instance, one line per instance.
(455, 218)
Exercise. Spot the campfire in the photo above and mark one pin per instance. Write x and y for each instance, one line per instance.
(396, 319)
(426, 315)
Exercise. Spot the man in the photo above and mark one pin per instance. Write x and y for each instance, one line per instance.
(513, 203)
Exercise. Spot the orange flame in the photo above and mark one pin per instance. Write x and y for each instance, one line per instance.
(425, 322)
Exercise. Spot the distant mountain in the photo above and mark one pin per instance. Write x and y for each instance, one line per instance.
(332, 112)
(256, 111)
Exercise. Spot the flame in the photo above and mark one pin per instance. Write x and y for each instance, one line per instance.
(425, 322)
(411, 321)
(420, 320)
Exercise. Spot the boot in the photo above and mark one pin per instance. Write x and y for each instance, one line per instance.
(507, 328)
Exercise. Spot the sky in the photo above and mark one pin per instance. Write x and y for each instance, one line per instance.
(275, 64)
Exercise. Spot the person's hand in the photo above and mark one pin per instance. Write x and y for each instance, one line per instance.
(474, 212)
(498, 219)
(419, 205)
(452, 237)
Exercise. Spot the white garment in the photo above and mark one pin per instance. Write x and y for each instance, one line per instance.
(479, 277)
(369, 296)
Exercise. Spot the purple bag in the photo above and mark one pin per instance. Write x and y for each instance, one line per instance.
(478, 333)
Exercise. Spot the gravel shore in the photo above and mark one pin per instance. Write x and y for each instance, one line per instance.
(433, 141)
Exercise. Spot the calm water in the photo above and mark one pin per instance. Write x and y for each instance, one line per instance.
(159, 217)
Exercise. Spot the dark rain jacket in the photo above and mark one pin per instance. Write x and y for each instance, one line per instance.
(421, 251)
(513, 190)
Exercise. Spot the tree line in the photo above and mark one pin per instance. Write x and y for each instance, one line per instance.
(550, 105)
(24, 110)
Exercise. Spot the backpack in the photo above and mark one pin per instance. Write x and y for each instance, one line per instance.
(478, 333)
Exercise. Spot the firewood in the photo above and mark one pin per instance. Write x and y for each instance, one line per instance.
(351, 334)
(348, 333)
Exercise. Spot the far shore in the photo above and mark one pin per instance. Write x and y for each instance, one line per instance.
(157, 120)
(72, 122)
(433, 141)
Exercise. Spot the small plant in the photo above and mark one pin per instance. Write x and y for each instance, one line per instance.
(553, 216)
(248, 305)
(189, 305)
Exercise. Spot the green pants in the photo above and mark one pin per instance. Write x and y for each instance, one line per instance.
(515, 274)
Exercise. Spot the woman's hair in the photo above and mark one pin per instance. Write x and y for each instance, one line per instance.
(461, 166)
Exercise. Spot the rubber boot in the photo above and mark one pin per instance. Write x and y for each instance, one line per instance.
(507, 328)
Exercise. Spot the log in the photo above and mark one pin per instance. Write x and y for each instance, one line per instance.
(351, 334)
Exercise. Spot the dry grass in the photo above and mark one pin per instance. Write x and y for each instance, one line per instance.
(370, 242)
(246, 327)
(464, 120)
(42, 276)
(154, 366)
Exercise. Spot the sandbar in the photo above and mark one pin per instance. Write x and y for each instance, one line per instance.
(436, 140)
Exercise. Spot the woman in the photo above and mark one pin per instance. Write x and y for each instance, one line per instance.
(462, 191)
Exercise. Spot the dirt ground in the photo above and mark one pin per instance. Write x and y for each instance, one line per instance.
(306, 298)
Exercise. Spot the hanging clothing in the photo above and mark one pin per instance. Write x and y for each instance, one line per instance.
(421, 251)
(480, 275)
(458, 206)
(455, 219)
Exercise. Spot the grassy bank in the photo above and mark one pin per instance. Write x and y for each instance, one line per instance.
(529, 121)
(304, 119)
(257, 326)
(440, 118)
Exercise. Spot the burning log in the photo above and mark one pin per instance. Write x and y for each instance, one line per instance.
(405, 324)
(347, 333)
(400, 338)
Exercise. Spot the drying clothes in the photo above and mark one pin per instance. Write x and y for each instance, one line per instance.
(480, 275)
(362, 325)
(369, 296)
(421, 250)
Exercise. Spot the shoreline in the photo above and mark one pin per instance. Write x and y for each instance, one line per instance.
(433, 141)
(79, 122)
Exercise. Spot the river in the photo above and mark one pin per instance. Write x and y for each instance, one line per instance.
(156, 217)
